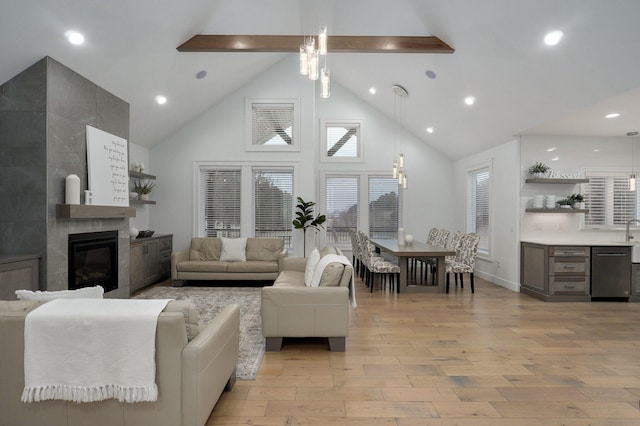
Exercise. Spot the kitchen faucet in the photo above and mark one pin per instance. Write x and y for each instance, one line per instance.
(627, 236)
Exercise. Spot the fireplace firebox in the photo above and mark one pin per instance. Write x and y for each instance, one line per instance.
(93, 260)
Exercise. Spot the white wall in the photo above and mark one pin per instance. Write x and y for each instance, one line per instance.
(568, 154)
(137, 154)
(502, 266)
(218, 135)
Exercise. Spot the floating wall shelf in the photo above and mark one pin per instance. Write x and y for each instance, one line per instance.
(556, 181)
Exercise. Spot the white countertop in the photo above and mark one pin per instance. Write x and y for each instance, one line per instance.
(569, 242)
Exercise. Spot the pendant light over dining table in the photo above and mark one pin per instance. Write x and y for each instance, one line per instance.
(400, 96)
(310, 61)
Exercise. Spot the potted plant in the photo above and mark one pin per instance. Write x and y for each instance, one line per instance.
(305, 220)
(143, 189)
(577, 201)
(538, 169)
(565, 203)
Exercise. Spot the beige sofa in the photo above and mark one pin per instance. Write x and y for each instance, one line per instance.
(190, 375)
(202, 261)
(291, 309)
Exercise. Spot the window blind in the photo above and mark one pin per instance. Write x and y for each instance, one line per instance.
(273, 203)
(342, 140)
(383, 207)
(342, 200)
(272, 123)
(609, 201)
(478, 206)
(220, 202)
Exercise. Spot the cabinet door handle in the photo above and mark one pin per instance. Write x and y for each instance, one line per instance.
(569, 267)
(611, 254)
(569, 286)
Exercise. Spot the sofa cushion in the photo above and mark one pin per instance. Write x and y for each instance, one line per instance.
(332, 275)
(312, 264)
(328, 250)
(252, 266)
(191, 317)
(96, 292)
(233, 249)
(205, 248)
(202, 266)
(264, 248)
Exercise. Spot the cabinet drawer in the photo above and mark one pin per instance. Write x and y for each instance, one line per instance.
(165, 256)
(572, 266)
(165, 244)
(567, 251)
(569, 285)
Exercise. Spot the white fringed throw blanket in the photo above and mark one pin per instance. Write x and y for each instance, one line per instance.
(86, 350)
(324, 262)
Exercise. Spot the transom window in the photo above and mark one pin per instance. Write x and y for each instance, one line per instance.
(342, 140)
(272, 124)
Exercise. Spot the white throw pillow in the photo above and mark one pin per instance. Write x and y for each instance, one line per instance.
(310, 268)
(233, 249)
(96, 292)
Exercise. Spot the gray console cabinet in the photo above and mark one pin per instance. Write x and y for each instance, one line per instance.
(150, 261)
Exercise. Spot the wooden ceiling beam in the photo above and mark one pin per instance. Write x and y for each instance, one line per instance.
(335, 44)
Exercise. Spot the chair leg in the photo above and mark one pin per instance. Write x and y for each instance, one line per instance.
(461, 280)
(473, 290)
(455, 277)
(447, 286)
(372, 282)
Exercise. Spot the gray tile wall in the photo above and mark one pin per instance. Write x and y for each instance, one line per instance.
(44, 112)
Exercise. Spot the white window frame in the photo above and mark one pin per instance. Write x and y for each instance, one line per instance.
(246, 192)
(483, 252)
(295, 136)
(607, 172)
(363, 199)
(324, 124)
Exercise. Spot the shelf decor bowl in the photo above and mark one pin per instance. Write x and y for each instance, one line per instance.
(145, 234)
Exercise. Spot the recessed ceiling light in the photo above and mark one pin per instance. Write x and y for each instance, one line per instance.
(551, 149)
(470, 100)
(161, 100)
(553, 38)
(612, 115)
(596, 150)
(555, 158)
(201, 74)
(430, 74)
(372, 90)
(74, 37)
(429, 129)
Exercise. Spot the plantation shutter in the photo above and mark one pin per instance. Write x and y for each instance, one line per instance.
(342, 200)
(273, 203)
(272, 123)
(609, 201)
(383, 207)
(478, 206)
(220, 202)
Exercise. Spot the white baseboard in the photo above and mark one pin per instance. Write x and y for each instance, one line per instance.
(498, 281)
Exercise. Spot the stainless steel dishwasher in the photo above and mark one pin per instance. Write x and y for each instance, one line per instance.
(610, 272)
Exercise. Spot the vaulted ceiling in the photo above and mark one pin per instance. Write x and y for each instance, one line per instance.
(521, 85)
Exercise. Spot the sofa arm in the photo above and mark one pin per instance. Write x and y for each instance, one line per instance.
(281, 257)
(294, 264)
(208, 364)
(177, 257)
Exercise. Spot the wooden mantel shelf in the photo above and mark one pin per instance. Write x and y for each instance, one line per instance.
(82, 211)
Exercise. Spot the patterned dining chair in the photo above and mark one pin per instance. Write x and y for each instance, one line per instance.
(464, 261)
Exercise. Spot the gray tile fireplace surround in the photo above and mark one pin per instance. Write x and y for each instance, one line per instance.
(43, 116)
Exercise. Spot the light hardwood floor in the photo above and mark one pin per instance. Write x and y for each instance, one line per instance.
(491, 358)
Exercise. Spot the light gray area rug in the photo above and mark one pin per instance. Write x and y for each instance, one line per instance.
(209, 301)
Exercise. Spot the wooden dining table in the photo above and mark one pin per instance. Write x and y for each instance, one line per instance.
(415, 250)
